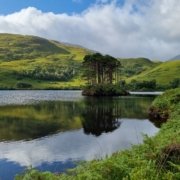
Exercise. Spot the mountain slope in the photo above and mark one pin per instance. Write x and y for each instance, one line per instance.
(15, 47)
(39, 62)
(163, 73)
(175, 58)
(134, 66)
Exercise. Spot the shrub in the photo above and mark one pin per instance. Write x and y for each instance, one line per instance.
(143, 85)
(23, 85)
(175, 83)
(103, 90)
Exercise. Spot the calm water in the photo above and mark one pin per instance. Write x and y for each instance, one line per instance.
(53, 130)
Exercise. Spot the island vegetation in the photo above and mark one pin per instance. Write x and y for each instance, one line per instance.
(102, 76)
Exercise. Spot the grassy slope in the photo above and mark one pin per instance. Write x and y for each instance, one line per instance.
(163, 73)
(23, 53)
(156, 159)
(134, 66)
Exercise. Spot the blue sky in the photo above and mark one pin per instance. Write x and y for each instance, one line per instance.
(56, 6)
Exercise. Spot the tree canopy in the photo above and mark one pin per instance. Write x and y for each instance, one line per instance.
(99, 69)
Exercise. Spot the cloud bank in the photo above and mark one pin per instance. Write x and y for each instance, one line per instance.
(135, 29)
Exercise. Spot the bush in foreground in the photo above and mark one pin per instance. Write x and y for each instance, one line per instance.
(164, 105)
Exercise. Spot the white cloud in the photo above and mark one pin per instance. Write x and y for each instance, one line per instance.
(135, 29)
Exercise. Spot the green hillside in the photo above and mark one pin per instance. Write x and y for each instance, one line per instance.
(29, 61)
(163, 73)
(134, 66)
(15, 47)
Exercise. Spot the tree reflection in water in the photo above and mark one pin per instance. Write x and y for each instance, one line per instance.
(99, 117)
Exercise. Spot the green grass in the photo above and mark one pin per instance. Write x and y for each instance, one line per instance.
(163, 73)
(158, 158)
(168, 100)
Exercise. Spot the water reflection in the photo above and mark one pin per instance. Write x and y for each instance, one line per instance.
(75, 145)
(51, 129)
(96, 116)
(37, 120)
(99, 117)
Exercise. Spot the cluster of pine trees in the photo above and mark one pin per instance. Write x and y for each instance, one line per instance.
(100, 69)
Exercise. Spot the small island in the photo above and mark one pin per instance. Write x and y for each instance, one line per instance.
(101, 73)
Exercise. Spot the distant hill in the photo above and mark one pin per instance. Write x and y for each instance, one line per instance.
(15, 47)
(39, 62)
(163, 73)
(175, 58)
(134, 66)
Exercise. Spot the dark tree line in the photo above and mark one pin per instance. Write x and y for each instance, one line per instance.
(140, 85)
(47, 73)
(99, 69)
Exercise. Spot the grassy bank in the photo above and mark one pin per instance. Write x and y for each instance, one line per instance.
(157, 158)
